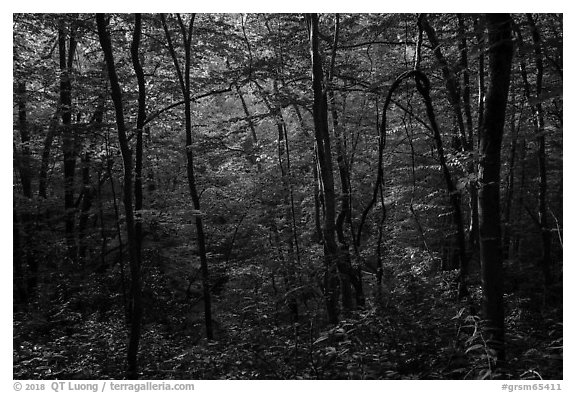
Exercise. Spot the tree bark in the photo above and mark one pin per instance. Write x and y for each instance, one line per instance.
(510, 179)
(48, 139)
(66, 55)
(184, 79)
(87, 194)
(471, 167)
(542, 173)
(500, 64)
(68, 134)
(133, 244)
(451, 81)
(349, 277)
(322, 136)
(453, 89)
(24, 151)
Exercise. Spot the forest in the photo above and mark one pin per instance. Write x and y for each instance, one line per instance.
(287, 196)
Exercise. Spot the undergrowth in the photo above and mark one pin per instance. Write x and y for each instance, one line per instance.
(411, 328)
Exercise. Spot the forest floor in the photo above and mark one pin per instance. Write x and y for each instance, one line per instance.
(412, 328)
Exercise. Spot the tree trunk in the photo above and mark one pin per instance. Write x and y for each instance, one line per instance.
(542, 173)
(23, 161)
(453, 90)
(510, 180)
(48, 139)
(184, 79)
(471, 167)
(22, 164)
(452, 87)
(19, 284)
(136, 297)
(349, 277)
(500, 64)
(252, 146)
(322, 135)
(133, 244)
(517, 237)
(68, 148)
(87, 194)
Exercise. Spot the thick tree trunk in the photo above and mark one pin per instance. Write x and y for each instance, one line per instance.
(322, 135)
(500, 63)
(25, 223)
(133, 244)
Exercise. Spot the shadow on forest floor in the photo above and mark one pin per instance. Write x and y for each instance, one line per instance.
(413, 329)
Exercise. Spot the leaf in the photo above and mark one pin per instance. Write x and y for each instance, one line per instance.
(474, 347)
(484, 374)
(320, 340)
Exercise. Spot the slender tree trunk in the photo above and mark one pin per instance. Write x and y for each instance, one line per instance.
(87, 194)
(184, 79)
(88, 190)
(471, 167)
(23, 163)
(453, 89)
(66, 33)
(294, 242)
(451, 81)
(252, 156)
(474, 231)
(322, 135)
(500, 64)
(349, 277)
(545, 260)
(520, 203)
(289, 266)
(318, 198)
(424, 89)
(136, 296)
(510, 180)
(127, 311)
(45, 160)
(410, 136)
(133, 244)
(19, 286)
